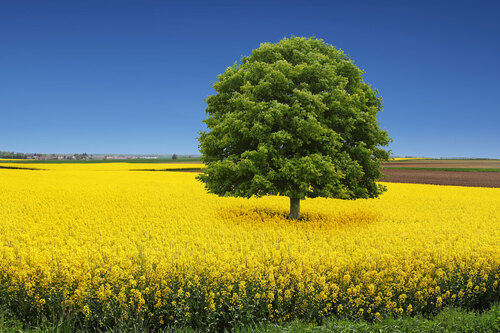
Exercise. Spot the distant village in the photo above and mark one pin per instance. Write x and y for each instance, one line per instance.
(85, 156)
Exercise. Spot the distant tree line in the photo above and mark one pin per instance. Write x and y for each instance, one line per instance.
(13, 155)
(85, 156)
(10, 154)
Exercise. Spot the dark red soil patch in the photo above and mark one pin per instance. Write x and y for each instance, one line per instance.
(458, 178)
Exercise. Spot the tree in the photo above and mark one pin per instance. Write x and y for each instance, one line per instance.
(294, 119)
(174, 156)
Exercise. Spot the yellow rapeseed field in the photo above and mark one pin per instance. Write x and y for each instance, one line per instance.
(406, 158)
(107, 244)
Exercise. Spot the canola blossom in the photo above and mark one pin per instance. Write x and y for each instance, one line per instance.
(107, 244)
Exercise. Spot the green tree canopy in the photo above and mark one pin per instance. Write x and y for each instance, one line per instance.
(295, 119)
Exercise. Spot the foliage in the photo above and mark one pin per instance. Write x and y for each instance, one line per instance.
(296, 119)
(13, 155)
(449, 320)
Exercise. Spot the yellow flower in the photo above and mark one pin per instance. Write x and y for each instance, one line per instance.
(86, 311)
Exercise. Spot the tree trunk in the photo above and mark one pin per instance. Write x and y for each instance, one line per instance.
(294, 209)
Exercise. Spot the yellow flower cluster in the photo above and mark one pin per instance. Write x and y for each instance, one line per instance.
(108, 244)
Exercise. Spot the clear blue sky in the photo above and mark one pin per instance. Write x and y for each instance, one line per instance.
(132, 76)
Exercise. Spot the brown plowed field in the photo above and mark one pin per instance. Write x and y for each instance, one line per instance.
(459, 178)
